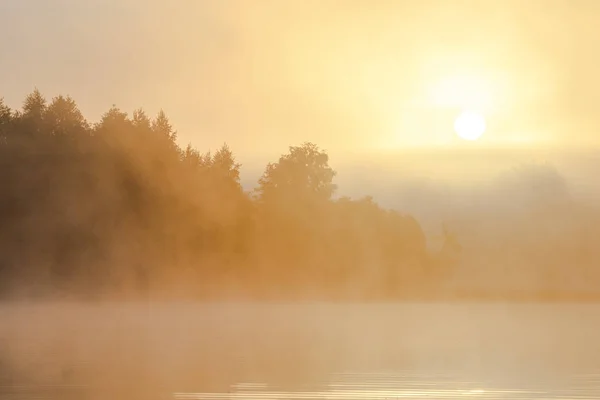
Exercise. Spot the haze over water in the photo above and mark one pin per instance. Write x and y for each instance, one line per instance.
(300, 351)
(293, 199)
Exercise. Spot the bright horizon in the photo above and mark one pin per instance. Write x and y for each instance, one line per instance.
(351, 78)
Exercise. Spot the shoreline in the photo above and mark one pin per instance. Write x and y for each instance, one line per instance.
(489, 298)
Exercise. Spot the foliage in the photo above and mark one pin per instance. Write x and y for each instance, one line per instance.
(118, 208)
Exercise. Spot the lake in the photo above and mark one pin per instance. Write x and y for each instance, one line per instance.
(299, 351)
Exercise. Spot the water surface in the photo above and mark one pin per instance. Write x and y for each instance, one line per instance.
(308, 351)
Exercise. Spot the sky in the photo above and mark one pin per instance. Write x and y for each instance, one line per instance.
(354, 76)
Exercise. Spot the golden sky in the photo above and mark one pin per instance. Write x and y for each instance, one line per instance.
(350, 75)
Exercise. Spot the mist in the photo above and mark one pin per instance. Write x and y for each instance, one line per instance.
(267, 199)
(343, 74)
(135, 268)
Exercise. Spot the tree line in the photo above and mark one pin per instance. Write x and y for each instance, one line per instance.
(119, 208)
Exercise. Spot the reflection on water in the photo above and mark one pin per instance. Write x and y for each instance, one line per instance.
(377, 386)
(245, 351)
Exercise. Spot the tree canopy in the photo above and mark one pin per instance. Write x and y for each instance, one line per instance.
(118, 208)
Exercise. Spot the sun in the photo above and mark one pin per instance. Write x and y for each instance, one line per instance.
(472, 94)
(470, 125)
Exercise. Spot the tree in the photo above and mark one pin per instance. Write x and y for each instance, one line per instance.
(293, 201)
(31, 119)
(193, 159)
(63, 118)
(162, 125)
(5, 120)
(114, 122)
(141, 121)
(5, 112)
(302, 174)
(34, 105)
(224, 165)
(121, 205)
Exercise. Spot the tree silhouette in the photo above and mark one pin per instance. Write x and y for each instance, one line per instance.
(162, 126)
(303, 173)
(5, 119)
(63, 118)
(119, 208)
(141, 122)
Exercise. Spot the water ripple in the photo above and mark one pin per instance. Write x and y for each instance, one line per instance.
(386, 386)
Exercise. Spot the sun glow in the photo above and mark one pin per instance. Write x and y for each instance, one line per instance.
(471, 96)
(452, 100)
(470, 125)
(463, 92)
